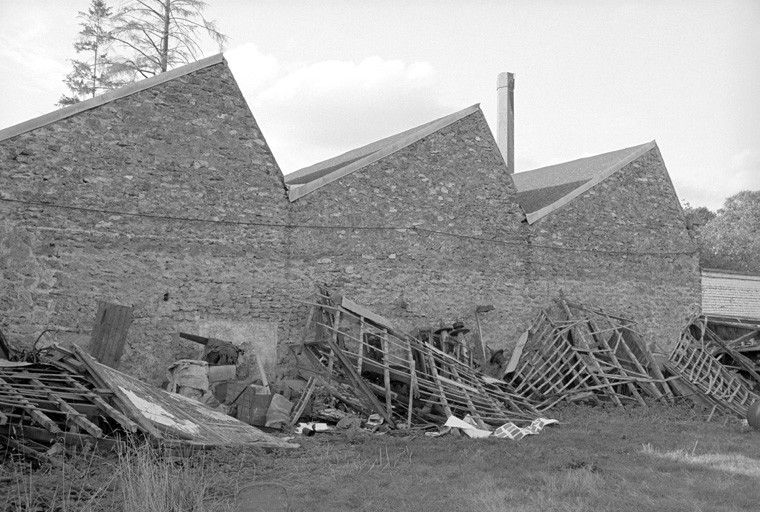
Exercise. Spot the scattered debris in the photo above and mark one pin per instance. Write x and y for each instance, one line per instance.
(575, 353)
(68, 399)
(696, 359)
(405, 380)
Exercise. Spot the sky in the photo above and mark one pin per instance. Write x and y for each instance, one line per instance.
(323, 77)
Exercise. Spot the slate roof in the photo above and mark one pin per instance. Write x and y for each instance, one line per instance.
(730, 294)
(127, 90)
(542, 191)
(311, 178)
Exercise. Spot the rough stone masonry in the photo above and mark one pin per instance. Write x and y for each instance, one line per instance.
(169, 199)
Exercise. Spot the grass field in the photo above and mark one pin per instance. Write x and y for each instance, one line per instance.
(659, 459)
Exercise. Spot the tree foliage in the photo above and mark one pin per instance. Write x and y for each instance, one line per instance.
(94, 72)
(731, 239)
(155, 35)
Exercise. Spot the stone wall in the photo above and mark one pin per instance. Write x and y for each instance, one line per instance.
(170, 200)
(623, 246)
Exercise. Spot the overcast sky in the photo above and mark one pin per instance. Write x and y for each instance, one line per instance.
(323, 77)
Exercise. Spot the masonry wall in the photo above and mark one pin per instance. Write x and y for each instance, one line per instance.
(622, 246)
(170, 200)
(423, 235)
(126, 179)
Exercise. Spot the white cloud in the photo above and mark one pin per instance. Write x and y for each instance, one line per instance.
(312, 111)
(712, 186)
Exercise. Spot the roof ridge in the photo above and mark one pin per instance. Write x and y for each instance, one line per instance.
(351, 161)
(107, 97)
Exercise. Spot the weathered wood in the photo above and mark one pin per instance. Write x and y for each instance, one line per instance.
(126, 423)
(109, 333)
(41, 456)
(78, 418)
(412, 384)
(125, 403)
(303, 401)
(363, 312)
(360, 383)
(334, 335)
(37, 415)
(5, 348)
(386, 372)
(442, 393)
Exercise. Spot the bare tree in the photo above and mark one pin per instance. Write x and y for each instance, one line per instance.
(93, 74)
(160, 34)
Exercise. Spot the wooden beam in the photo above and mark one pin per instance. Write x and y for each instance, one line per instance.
(123, 400)
(109, 333)
(126, 423)
(360, 383)
(303, 400)
(37, 415)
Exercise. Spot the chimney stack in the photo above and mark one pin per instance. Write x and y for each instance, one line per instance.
(505, 138)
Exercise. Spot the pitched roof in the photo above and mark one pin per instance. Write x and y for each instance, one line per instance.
(541, 191)
(730, 294)
(71, 110)
(311, 178)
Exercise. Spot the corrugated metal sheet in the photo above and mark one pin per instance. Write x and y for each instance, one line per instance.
(730, 294)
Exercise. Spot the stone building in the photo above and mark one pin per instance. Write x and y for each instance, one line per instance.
(164, 195)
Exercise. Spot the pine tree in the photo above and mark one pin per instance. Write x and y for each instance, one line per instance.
(94, 74)
(160, 34)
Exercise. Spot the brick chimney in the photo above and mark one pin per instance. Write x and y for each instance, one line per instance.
(505, 138)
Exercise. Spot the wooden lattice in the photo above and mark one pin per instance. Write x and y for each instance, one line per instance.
(694, 362)
(399, 376)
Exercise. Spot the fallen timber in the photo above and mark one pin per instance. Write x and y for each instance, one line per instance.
(67, 398)
(401, 378)
(572, 352)
(714, 369)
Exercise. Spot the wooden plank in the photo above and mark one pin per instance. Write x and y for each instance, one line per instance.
(109, 333)
(386, 372)
(126, 404)
(360, 383)
(78, 418)
(37, 415)
(176, 415)
(412, 384)
(470, 405)
(366, 313)
(41, 456)
(334, 335)
(360, 359)
(303, 400)
(5, 348)
(126, 423)
(442, 394)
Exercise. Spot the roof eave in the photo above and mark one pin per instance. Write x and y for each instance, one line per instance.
(609, 171)
(297, 191)
(97, 101)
